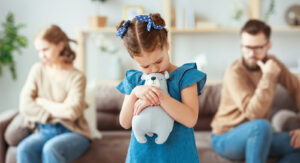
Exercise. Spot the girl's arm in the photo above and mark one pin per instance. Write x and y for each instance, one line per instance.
(185, 112)
(131, 107)
(126, 113)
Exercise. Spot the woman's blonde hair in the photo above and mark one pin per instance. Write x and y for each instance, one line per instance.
(54, 34)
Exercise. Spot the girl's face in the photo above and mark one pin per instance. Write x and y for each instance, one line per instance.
(48, 52)
(154, 62)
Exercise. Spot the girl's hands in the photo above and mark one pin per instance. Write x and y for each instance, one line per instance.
(147, 96)
(139, 106)
(151, 95)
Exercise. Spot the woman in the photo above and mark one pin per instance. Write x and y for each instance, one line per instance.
(52, 100)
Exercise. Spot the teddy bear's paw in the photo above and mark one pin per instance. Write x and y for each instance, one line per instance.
(150, 134)
(159, 141)
(141, 140)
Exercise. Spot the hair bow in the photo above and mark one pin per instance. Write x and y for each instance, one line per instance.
(121, 31)
(145, 18)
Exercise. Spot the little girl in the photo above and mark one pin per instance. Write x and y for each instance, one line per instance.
(146, 41)
(53, 100)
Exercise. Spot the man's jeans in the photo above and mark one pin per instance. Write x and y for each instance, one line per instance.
(254, 142)
(53, 143)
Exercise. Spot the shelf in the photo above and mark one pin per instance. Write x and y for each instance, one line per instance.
(199, 30)
(229, 29)
(254, 12)
(286, 29)
(100, 30)
(112, 30)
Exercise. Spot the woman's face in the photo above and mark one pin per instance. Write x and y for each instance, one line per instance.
(154, 62)
(48, 52)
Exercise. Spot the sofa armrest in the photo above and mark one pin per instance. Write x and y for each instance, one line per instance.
(5, 118)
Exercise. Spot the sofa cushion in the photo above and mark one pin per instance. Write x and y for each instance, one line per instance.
(209, 100)
(108, 121)
(11, 154)
(109, 102)
(112, 148)
(282, 100)
(108, 99)
(285, 121)
(16, 131)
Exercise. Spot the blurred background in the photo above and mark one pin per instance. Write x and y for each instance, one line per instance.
(206, 32)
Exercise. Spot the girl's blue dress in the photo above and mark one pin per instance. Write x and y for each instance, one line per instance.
(180, 145)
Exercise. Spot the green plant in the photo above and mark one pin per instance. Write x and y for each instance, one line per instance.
(98, 3)
(239, 10)
(271, 10)
(238, 14)
(10, 42)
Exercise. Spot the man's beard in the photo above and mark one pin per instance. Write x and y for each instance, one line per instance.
(253, 67)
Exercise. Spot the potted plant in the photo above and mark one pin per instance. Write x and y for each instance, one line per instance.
(98, 21)
(10, 42)
(270, 10)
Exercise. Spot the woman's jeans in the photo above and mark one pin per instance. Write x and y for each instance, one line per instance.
(254, 142)
(53, 143)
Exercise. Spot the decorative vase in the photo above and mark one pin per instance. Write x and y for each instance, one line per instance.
(292, 15)
(97, 21)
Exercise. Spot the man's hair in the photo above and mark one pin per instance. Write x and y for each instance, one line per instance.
(254, 26)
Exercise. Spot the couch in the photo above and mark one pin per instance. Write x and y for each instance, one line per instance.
(112, 148)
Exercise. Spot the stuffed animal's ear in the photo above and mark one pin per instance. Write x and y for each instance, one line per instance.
(143, 76)
(166, 75)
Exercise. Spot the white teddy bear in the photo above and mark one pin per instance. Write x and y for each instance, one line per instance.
(153, 119)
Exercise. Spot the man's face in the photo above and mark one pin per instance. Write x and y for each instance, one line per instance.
(254, 48)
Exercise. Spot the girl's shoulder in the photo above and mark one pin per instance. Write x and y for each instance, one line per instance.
(131, 80)
(187, 75)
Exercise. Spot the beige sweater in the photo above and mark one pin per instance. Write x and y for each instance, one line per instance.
(248, 95)
(70, 93)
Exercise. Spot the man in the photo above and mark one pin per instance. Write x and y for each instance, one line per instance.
(240, 128)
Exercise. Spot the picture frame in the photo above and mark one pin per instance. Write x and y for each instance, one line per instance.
(131, 11)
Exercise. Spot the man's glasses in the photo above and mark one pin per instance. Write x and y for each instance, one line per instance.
(254, 49)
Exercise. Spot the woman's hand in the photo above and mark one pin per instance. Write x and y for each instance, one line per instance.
(147, 93)
(41, 101)
(57, 113)
(295, 138)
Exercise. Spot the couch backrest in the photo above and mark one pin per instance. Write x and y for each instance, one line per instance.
(109, 102)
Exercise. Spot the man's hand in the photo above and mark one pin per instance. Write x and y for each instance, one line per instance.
(270, 67)
(295, 138)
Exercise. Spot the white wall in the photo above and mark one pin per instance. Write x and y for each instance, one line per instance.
(72, 15)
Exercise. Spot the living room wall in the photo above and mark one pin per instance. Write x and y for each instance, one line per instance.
(221, 49)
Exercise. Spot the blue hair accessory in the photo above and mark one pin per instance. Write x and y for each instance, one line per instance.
(121, 32)
(145, 18)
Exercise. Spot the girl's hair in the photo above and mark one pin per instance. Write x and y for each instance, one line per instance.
(137, 39)
(54, 34)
